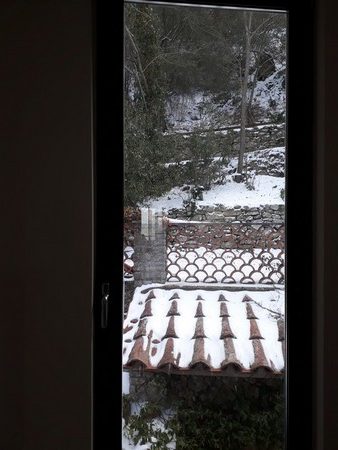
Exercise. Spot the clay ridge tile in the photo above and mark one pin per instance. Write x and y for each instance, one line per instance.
(226, 329)
(249, 312)
(151, 295)
(173, 309)
(254, 330)
(259, 356)
(168, 355)
(147, 310)
(137, 354)
(198, 354)
(230, 355)
(141, 330)
(199, 329)
(170, 333)
(221, 298)
(199, 310)
(224, 310)
(281, 330)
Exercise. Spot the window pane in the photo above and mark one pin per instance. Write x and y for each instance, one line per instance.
(204, 255)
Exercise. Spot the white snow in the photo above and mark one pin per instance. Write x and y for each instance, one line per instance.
(199, 110)
(267, 188)
(267, 192)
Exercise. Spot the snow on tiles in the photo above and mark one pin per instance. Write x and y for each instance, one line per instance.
(179, 328)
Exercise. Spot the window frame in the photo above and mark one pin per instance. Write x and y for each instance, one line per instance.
(108, 220)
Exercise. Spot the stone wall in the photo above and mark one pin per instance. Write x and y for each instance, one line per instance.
(220, 213)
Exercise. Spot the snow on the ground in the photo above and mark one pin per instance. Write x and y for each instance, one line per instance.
(267, 188)
(270, 93)
(200, 109)
(267, 191)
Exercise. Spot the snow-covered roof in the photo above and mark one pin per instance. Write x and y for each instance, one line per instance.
(221, 331)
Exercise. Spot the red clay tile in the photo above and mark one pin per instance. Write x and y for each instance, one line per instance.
(147, 310)
(151, 295)
(173, 309)
(249, 312)
(199, 310)
(281, 330)
(198, 354)
(254, 330)
(221, 298)
(223, 310)
(199, 329)
(170, 333)
(168, 355)
(226, 329)
(141, 330)
(259, 355)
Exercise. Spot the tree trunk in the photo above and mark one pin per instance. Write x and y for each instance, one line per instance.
(244, 104)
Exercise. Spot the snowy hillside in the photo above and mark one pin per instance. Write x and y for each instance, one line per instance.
(262, 188)
(200, 109)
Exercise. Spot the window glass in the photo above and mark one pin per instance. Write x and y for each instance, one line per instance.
(204, 237)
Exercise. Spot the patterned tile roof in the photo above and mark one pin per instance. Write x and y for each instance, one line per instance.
(218, 331)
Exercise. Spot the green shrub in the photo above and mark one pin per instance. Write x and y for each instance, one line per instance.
(243, 415)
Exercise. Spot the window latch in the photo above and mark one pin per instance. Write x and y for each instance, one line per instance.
(104, 305)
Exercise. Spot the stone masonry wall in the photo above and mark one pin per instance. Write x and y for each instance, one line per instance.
(220, 213)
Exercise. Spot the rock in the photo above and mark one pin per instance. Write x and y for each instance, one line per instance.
(238, 177)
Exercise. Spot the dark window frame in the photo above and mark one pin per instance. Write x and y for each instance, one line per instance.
(108, 183)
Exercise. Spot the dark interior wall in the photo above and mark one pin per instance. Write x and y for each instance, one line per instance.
(46, 224)
(46, 245)
(327, 165)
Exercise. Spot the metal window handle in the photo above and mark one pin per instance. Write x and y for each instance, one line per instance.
(104, 305)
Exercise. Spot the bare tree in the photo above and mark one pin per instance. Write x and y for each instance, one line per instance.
(244, 88)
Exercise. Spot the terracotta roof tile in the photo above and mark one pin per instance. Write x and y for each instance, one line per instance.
(254, 330)
(260, 358)
(249, 312)
(223, 310)
(173, 309)
(219, 334)
(221, 298)
(199, 310)
(168, 355)
(170, 333)
(198, 356)
(138, 355)
(150, 296)
(199, 329)
(230, 355)
(226, 330)
(281, 330)
(147, 310)
(141, 330)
